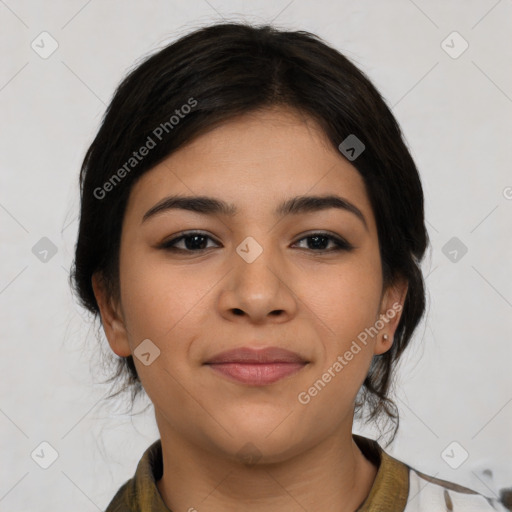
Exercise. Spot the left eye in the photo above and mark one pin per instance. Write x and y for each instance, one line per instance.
(195, 242)
(319, 240)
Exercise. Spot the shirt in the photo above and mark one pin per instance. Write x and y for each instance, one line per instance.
(397, 487)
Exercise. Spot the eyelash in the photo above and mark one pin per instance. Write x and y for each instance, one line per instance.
(340, 243)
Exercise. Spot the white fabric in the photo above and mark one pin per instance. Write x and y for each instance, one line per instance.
(426, 496)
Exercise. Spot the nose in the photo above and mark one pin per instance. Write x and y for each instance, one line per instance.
(257, 292)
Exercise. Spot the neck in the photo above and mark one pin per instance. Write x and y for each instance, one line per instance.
(333, 476)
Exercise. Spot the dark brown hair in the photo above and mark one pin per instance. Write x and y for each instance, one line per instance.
(233, 68)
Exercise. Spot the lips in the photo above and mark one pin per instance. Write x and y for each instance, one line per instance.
(256, 367)
(251, 355)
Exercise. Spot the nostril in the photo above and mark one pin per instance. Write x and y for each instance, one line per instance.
(238, 312)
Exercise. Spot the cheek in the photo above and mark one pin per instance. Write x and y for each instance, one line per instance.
(344, 299)
(160, 300)
(345, 305)
(163, 304)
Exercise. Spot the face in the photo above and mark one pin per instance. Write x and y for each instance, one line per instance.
(197, 280)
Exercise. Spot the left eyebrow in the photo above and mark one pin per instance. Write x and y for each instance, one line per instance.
(293, 206)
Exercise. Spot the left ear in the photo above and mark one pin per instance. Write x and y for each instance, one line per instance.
(391, 308)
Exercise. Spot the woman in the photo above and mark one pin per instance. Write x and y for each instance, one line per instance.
(251, 234)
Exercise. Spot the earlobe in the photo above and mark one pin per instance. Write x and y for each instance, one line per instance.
(111, 319)
(383, 343)
(392, 305)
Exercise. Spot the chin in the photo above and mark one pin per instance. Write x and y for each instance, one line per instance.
(251, 452)
(263, 441)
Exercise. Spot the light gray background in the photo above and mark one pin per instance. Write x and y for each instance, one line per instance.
(454, 384)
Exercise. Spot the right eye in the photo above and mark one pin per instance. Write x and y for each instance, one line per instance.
(194, 241)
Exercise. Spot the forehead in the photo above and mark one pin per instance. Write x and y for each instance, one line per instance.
(254, 161)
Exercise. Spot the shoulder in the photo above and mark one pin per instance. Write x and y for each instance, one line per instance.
(428, 493)
(140, 493)
(123, 499)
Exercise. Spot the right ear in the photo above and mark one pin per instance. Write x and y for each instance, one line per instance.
(111, 318)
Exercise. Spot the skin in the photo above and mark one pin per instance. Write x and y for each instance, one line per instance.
(192, 305)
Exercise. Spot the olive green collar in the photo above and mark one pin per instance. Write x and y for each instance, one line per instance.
(390, 488)
(388, 493)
